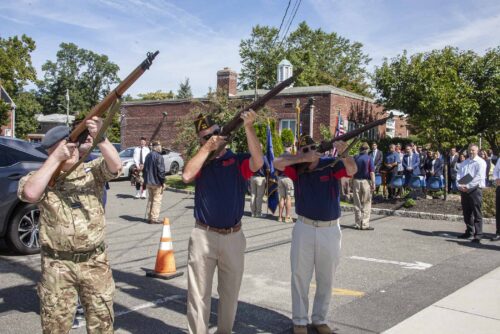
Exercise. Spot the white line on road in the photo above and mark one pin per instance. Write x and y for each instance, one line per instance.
(150, 304)
(415, 265)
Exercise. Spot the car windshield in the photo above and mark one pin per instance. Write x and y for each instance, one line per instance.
(128, 153)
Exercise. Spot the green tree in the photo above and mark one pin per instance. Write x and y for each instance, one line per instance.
(326, 58)
(435, 90)
(87, 76)
(287, 137)
(158, 95)
(184, 91)
(325, 132)
(16, 68)
(4, 113)
(27, 107)
(486, 78)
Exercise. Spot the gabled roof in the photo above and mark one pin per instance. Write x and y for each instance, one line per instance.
(310, 90)
(4, 96)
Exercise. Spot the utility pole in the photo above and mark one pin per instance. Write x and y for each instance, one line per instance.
(67, 107)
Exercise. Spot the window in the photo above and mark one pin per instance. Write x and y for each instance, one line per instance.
(371, 134)
(289, 105)
(288, 124)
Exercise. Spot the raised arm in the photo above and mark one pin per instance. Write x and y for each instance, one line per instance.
(109, 153)
(194, 165)
(256, 159)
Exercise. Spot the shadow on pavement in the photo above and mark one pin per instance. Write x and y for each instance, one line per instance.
(249, 318)
(122, 196)
(133, 218)
(443, 234)
(483, 245)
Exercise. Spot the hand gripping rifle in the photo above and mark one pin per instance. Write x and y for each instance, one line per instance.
(79, 132)
(235, 123)
(328, 145)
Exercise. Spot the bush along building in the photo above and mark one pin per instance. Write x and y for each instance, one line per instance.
(319, 105)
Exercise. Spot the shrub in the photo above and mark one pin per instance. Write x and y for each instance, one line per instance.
(489, 202)
(410, 203)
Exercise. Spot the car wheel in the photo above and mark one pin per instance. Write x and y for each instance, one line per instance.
(23, 231)
(174, 168)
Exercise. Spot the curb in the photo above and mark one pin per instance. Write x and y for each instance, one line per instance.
(383, 212)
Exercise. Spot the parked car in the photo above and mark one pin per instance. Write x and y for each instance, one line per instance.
(97, 151)
(19, 221)
(173, 161)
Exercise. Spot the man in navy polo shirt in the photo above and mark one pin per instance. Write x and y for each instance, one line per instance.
(316, 236)
(217, 239)
(363, 184)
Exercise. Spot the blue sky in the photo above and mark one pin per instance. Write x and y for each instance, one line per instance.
(197, 38)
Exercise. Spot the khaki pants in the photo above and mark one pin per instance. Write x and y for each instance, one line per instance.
(257, 188)
(208, 250)
(313, 249)
(362, 197)
(61, 284)
(154, 201)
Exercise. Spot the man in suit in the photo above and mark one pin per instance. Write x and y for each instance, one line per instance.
(376, 156)
(452, 170)
(411, 164)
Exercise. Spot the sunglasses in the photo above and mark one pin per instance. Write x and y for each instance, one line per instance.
(306, 149)
(215, 133)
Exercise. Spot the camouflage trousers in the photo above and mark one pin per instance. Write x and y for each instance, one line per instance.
(61, 284)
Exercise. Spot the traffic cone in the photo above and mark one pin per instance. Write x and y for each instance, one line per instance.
(165, 260)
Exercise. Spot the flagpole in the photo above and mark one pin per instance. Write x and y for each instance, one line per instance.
(297, 110)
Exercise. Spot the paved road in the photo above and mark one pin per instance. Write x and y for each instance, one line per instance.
(385, 276)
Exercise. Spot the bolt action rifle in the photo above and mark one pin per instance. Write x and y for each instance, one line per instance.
(328, 145)
(79, 133)
(235, 123)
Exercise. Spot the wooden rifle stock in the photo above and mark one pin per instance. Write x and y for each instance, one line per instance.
(104, 105)
(328, 145)
(236, 122)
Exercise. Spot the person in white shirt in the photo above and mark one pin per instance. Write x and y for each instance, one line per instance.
(140, 154)
(474, 169)
(496, 182)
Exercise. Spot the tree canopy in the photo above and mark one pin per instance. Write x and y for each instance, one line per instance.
(184, 91)
(86, 75)
(158, 95)
(326, 59)
(450, 95)
(16, 68)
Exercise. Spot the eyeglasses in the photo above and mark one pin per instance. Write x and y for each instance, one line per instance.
(215, 133)
(306, 149)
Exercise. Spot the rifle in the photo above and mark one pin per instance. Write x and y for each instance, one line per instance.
(328, 145)
(236, 122)
(78, 133)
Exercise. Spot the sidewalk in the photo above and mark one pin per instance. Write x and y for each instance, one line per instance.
(475, 308)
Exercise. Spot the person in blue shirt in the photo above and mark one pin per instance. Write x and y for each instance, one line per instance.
(217, 240)
(316, 236)
(363, 184)
(391, 163)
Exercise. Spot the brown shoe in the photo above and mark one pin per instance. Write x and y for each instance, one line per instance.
(154, 222)
(299, 329)
(322, 329)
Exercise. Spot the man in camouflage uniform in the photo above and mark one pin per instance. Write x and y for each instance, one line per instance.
(72, 224)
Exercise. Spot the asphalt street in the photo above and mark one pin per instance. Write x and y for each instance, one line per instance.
(384, 277)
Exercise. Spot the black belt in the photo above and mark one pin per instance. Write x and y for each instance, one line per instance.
(76, 256)
(228, 230)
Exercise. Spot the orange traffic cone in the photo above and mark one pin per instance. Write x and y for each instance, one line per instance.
(165, 260)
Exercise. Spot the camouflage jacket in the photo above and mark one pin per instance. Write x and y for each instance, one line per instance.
(71, 213)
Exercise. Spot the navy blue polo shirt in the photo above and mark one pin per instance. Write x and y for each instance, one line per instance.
(317, 194)
(219, 198)
(365, 166)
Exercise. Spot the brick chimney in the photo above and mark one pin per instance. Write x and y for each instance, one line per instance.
(226, 81)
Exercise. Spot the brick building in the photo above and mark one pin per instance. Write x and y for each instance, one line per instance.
(318, 104)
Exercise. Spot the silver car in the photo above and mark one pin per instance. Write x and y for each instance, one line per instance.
(173, 161)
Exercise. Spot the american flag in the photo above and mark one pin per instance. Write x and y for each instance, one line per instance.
(339, 131)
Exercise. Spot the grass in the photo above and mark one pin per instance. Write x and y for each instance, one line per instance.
(175, 181)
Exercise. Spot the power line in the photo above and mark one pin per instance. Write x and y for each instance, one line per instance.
(282, 20)
(291, 20)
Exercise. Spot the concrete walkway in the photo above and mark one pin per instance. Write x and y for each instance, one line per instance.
(475, 308)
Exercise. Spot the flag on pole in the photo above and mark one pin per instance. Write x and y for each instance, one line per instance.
(339, 130)
(272, 180)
